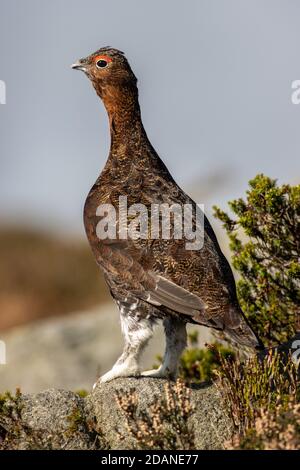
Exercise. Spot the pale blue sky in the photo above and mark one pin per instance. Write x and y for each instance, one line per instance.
(215, 89)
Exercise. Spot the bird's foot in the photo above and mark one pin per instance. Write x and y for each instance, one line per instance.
(120, 370)
(161, 372)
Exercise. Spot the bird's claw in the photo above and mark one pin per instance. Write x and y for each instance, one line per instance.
(159, 373)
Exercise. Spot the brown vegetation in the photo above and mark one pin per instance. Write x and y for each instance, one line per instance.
(42, 276)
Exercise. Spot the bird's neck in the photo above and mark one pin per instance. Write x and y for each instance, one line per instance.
(130, 147)
(123, 109)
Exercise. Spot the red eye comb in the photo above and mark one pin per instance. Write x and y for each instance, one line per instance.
(103, 57)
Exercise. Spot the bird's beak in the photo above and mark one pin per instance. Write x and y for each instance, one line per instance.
(78, 66)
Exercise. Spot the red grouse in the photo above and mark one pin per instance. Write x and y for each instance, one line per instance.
(151, 278)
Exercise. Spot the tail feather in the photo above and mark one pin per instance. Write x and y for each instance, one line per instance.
(241, 332)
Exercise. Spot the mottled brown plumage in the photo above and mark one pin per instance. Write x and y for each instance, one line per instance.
(153, 278)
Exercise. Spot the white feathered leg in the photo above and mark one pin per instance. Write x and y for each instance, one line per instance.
(176, 337)
(136, 333)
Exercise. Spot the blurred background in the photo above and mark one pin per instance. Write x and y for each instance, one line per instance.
(215, 90)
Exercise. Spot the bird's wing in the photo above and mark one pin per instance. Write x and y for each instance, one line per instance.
(175, 297)
(133, 276)
(168, 294)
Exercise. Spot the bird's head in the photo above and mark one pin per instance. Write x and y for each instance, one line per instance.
(106, 66)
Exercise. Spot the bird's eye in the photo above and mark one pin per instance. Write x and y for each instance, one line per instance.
(101, 63)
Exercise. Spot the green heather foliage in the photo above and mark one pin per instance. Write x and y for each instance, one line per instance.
(257, 384)
(264, 238)
(198, 365)
(261, 395)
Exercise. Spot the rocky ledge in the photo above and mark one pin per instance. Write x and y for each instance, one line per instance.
(59, 419)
